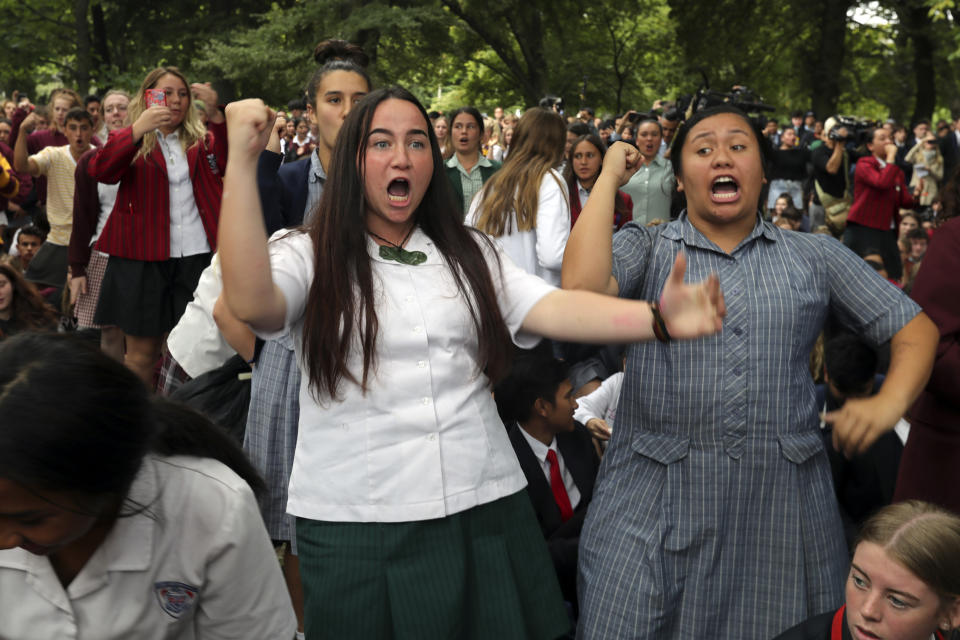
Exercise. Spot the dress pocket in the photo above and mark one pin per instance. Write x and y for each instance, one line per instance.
(664, 448)
(800, 447)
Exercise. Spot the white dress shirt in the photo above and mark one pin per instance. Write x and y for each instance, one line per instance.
(601, 402)
(583, 194)
(196, 342)
(197, 563)
(425, 441)
(540, 451)
(540, 250)
(187, 235)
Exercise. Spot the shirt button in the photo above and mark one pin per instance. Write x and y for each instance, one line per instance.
(737, 331)
(432, 437)
(425, 401)
(409, 298)
(737, 371)
(417, 329)
(345, 426)
(422, 364)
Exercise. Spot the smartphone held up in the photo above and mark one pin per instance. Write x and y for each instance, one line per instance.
(156, 97)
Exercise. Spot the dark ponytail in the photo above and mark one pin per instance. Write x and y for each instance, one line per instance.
(73, 419)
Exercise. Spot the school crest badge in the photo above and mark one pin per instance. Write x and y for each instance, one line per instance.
(175, 598)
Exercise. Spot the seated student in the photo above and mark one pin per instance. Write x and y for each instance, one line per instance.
(866, 482)
(122, 515)
(28, 242)
(903, 583)
(556, 454)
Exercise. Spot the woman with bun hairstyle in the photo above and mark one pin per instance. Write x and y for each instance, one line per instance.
(122, 515)
(581, 172)
(163, 227)
(290, 194)
(524, 206)
(22, 308)
(92, 204)
(904, 580)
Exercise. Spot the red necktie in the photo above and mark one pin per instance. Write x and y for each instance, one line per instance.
(556, 485)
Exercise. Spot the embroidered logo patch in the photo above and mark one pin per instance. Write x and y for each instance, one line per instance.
(175, 598)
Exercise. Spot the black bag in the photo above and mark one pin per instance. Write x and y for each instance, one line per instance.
(223, 395)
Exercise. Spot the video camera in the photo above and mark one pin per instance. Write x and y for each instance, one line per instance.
(739, 96)
(854, 125)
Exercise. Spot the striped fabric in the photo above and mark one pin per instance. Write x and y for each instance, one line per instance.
(139, 227)
(271, 434)
(479, 574)
(714, 514)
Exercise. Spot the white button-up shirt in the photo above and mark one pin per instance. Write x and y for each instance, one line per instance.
(196, 563)
(538, 251)
(187, 235)
(540, 451)
(425, 441)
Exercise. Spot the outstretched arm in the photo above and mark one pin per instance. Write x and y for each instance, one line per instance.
(588, 258)
(248, 286)
(688, 310)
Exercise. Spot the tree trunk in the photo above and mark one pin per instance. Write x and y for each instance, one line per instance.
(916, 19)
(828, 61)
(84, 53)
(100, 44)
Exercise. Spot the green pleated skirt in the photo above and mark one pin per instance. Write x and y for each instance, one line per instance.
(484, 573)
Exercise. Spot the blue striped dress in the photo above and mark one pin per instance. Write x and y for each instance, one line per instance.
(714, 514)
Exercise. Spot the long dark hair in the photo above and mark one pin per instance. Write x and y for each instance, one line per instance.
(77, 420)
(28, 308)
(340, 309)
(619, 204)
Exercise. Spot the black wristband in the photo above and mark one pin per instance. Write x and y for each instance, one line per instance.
(659, 326)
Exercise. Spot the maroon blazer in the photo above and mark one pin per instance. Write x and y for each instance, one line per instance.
(86, 212)
(618, 221)
(139, 226)
(931, 457)
(878, 194)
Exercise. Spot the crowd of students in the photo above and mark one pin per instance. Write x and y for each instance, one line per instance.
(468, 376)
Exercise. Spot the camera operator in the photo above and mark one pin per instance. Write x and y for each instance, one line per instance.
(831, 177)
(880, 191)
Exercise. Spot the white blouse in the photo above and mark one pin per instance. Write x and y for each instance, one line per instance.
(538, 251)
(425, 441)
(196, 563)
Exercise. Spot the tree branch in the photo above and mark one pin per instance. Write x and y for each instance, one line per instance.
(41, 16)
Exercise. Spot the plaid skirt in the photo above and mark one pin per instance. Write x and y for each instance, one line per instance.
(479, 574)
(271, 434)
(86, 304)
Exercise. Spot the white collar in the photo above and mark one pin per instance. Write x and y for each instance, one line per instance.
(539, 449)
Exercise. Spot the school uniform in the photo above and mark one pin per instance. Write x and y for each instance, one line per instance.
(411, 521)
(163, 227)
(829, 626)
(191, 560)
(578, 464)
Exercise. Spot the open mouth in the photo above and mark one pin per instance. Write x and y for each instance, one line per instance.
(398, 190)
(724, 189)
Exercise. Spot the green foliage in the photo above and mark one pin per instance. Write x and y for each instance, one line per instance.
(611, 55)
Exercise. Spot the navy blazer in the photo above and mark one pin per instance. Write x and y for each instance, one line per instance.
(283, 190)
